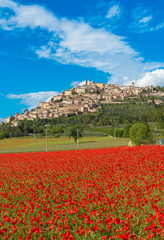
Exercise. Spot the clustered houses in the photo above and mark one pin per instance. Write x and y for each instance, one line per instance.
(80, 99)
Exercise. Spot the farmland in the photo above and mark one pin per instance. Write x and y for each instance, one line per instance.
(112, 193)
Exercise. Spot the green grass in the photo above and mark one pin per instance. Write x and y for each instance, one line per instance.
(28, 144)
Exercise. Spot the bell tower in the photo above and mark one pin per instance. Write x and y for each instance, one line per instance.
(86, 82)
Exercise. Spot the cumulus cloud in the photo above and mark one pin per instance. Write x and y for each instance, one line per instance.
(33, 99)
(155, 78)
(113, 11)
(76, 42)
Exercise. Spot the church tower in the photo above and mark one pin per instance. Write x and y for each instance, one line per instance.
(86, 82)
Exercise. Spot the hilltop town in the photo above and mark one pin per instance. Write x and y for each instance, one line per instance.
(80, 99)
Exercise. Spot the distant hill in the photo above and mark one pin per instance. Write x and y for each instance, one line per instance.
(86, 98)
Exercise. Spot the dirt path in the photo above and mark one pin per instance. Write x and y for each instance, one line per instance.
(130, 144)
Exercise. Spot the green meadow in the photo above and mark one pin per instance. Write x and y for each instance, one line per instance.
(29, 144)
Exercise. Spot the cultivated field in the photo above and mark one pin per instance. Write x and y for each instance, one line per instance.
(28, 144)
(112, 193)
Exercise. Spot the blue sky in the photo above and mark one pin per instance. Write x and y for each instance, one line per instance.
(50, 46)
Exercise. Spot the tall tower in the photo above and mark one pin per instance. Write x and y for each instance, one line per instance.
(86, 82)
(133, 85)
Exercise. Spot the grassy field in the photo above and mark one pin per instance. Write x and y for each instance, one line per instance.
(28, 144)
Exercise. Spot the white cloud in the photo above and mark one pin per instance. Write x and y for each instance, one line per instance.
(76, 42)
(8, 4)
(81, 37)
(159, 26)
(1, 119)
(146, 19)
(155, 78)
(75, 84)
(28, 16)
(113, 11)
(142, 19)
(33, 99)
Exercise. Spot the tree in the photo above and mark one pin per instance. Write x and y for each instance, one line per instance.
(87, 120)
(75, 131)
(2, 135)
(126, 131)
(158, 88)
(57, 129)
(139, 133)
(119, 133)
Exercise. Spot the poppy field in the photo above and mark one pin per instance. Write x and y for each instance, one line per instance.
(114, 193)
